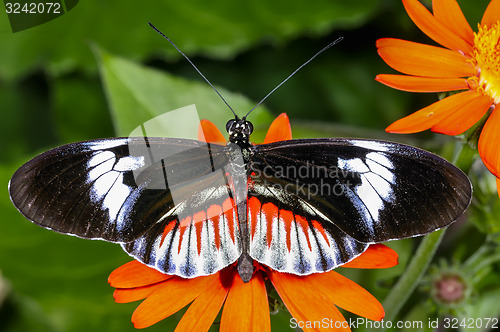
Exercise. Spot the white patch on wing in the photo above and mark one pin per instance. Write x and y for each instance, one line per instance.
(382, 171)
(100, 170)
(380, 158)
(129, 163)
(107, 144)
(370, 198)
(276, 253)
(371, 145)
(100, 157)
(115, 199)
(101, 183)
(375, 184)
(381, 186)
(353, 165)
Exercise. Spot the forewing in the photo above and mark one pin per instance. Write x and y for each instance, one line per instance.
(373, 191)
(112, 189)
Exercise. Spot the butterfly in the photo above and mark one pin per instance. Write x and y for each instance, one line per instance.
(190, 208)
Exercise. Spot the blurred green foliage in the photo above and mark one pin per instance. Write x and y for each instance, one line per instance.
(99, 71)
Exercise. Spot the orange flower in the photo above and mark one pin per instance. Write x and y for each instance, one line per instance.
(310, 299)
(470, 61)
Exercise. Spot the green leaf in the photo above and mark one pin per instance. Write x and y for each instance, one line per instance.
(24, 113)
(137, 94)
(79, 108)
(217, 29)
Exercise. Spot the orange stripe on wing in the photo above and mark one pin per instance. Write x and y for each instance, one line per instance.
(253, 209)
(270, 212)
(317, 226)
(228, 209)
(213, 213)
(167, 230)
(304, 224)
(198, 220)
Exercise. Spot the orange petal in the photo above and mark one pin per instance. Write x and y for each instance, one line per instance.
(492, 13)
(347, 294)
(169, 297)
(279, 130)
(377, 256)
(246, 307)
(208, 132)
(202, 312)
(489, 148)
(423, 60)
(464, 116)
(430, 115)
(135, 274)
(422, 84)
(433, 28)
(449, 13)
(305, 303)
(126, 295)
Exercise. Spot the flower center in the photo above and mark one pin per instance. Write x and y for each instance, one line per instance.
(487, 60)
(450, 289)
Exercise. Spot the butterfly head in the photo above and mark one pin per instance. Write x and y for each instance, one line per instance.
(239, 130)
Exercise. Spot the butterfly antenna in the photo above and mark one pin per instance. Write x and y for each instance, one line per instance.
(192, 64)
(338, 40)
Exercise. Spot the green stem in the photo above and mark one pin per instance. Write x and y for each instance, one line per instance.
(486, 255)
(477, 257)
(463, 158)
(488, 261)
(409, 280)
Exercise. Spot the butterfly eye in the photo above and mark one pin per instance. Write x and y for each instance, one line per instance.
(248, 128)
(230, 124)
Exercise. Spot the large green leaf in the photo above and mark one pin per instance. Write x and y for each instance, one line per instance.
(217, 29)
(79, 108)
(137, 94)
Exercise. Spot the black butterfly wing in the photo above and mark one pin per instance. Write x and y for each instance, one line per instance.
(342, 194)
(112, 189)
